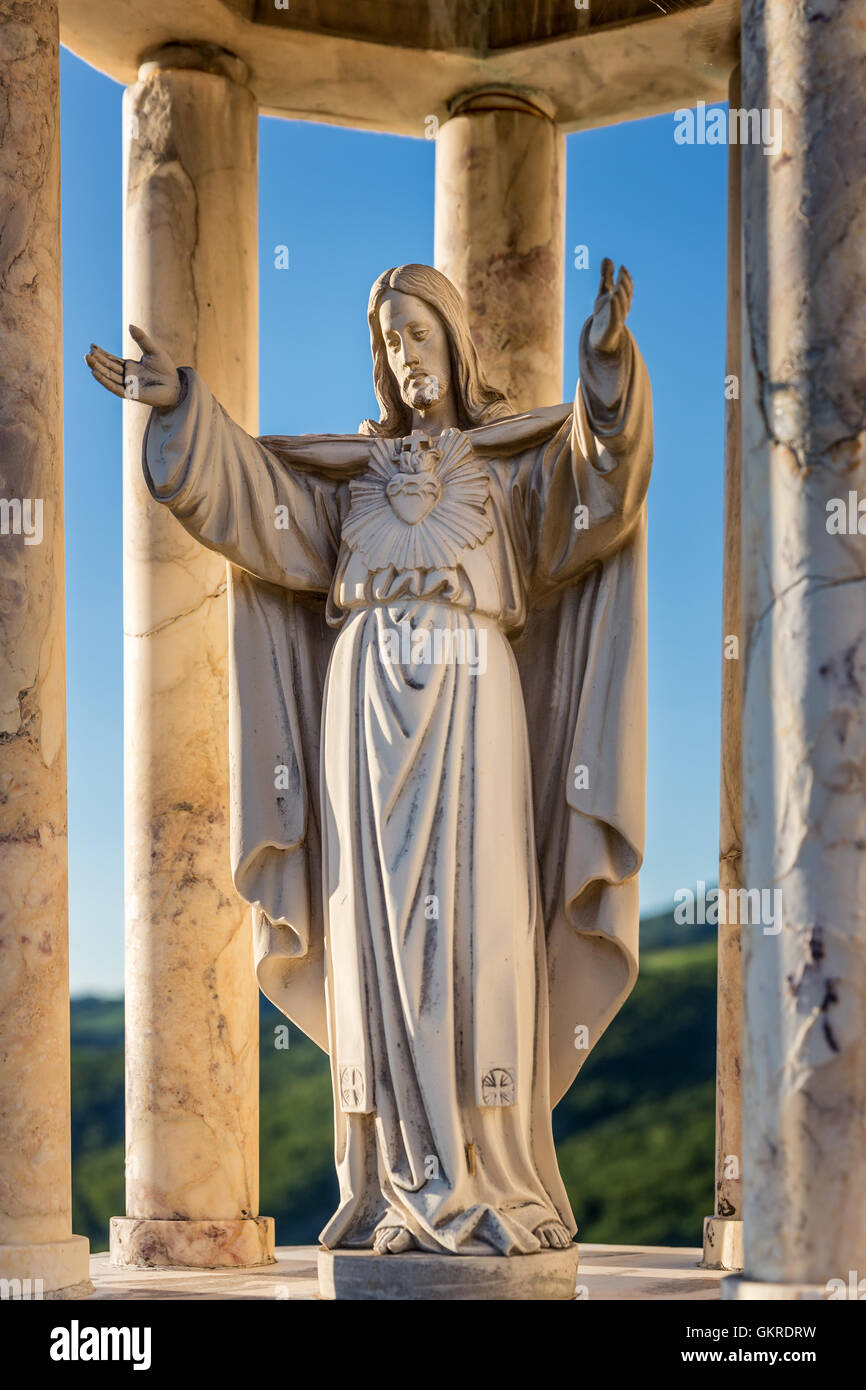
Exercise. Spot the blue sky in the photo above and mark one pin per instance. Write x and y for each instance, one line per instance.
(633, 194)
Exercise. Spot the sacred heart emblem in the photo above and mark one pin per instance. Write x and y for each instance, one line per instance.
(413, 495)
(420, 504)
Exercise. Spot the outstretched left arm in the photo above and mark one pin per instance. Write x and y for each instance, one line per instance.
(587, 487)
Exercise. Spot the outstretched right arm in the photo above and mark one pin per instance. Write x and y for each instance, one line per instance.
(225, 487)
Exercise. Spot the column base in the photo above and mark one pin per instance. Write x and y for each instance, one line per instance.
(723, 1243)
(143, 1243)
(361, 1275)
(740, 1288)
(47, 1269)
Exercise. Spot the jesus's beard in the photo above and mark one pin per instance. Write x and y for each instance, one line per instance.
(422, 391)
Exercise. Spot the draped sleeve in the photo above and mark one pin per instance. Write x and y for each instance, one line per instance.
(273, 509)
(235, 495)
(578, 496)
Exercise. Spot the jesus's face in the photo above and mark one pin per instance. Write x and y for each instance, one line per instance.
(417, 348)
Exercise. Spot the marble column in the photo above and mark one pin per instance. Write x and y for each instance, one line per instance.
(36, 1240)
(190, 279)
(500, 236)
(804, 626)
(723, 1231)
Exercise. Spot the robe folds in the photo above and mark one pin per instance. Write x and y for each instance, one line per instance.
(437, 753)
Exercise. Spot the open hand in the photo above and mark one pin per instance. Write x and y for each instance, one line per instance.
(610, 309)
(153, 380)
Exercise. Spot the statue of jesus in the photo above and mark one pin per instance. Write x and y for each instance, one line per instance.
(437, 739)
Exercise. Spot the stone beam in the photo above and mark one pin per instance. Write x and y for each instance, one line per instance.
(592, 78)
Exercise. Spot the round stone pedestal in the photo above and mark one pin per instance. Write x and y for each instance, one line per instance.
(359, 1274)
(141, 1243)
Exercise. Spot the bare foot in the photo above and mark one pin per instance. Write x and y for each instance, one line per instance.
(393, 1240)
(553, 1235)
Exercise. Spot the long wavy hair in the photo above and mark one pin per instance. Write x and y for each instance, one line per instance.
(478, 402)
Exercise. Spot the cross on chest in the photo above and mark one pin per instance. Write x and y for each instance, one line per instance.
(418, 455)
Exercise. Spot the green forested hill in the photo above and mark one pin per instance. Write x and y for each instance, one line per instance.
(634, 1134)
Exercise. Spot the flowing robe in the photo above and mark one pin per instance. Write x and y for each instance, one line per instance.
(447, 922)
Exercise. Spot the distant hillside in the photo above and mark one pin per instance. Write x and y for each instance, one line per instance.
(634, 1134)
(658, 929)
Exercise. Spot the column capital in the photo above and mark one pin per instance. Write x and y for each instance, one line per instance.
(501, 98)
(200, 57)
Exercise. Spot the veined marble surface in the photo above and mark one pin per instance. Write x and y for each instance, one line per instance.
(622, 1272)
